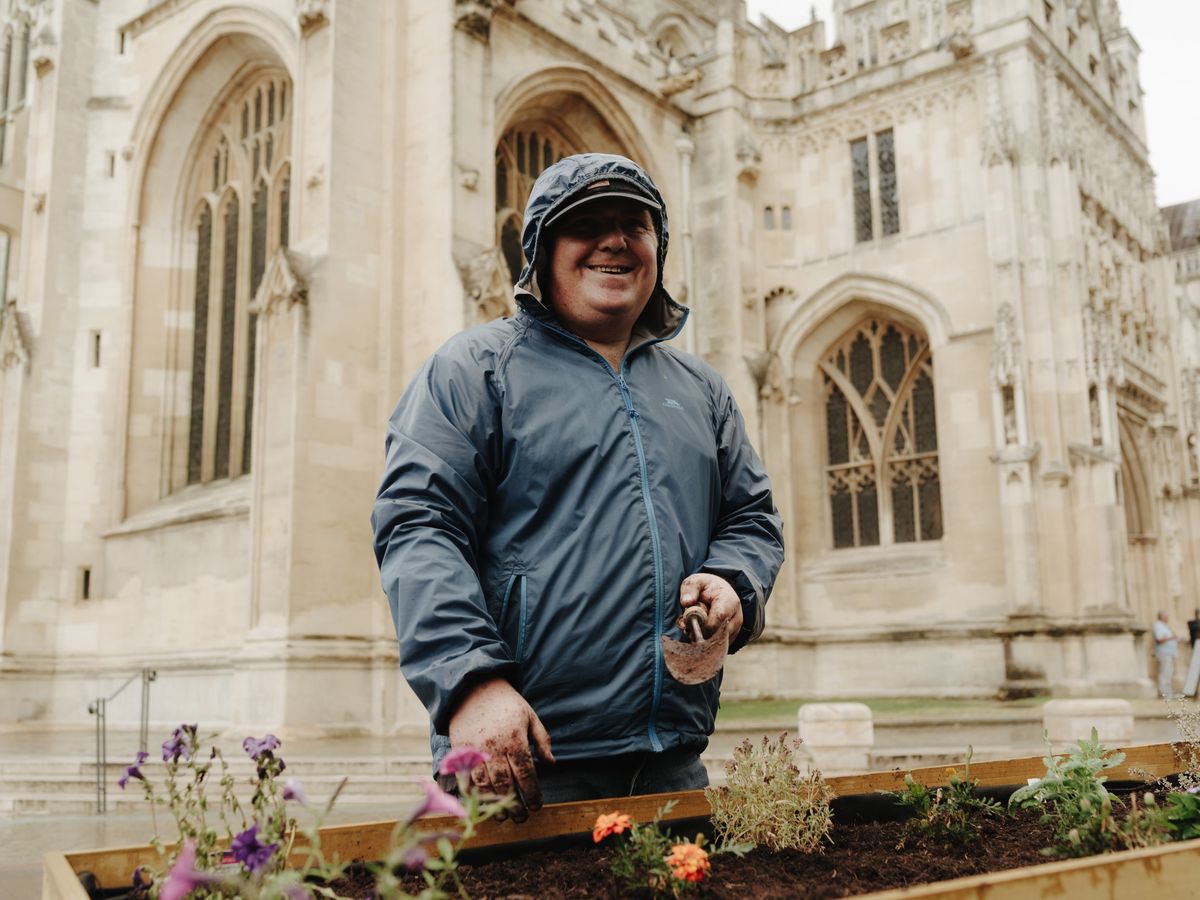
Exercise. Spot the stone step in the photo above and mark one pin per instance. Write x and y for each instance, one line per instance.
(391, 765)
(315, 785)
(85, 802)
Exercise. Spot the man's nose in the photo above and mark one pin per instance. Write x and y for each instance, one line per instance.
(612, 235)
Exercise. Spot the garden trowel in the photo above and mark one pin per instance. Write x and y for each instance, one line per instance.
(697, 661)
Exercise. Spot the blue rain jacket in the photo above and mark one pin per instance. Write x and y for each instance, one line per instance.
(539, 510)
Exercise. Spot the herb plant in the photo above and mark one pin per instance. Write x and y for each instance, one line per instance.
(1074, 800)
(949, 814)
(767, 801)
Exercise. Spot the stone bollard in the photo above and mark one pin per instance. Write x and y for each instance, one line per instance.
(837, 736)
(1069, 721)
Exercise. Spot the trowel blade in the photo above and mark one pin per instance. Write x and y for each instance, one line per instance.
(696, 663)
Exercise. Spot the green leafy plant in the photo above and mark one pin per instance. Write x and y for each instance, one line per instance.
(648, 859)
(1075, 801)
(1183, 812)
(948, 814)
(767, 801)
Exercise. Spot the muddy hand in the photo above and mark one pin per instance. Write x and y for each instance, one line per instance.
(495, 718)
(718, 596)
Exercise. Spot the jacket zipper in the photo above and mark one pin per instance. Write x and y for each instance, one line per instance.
(651, 520)
(652, 728)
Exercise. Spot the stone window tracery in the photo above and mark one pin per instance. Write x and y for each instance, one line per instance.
(240, 197)
(876, 200)
(521, 155)
(881, 466)
(14, 69)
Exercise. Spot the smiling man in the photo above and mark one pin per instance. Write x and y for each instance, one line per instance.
(557, 486)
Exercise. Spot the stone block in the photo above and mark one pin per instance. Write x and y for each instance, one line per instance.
(837, 736)
(1068, 721)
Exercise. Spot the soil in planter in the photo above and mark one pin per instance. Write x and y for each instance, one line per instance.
(863, 860)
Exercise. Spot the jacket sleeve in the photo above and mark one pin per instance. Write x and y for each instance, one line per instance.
(428, 520)
(747, 544)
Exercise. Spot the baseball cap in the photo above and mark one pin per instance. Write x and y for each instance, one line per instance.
(603, 189)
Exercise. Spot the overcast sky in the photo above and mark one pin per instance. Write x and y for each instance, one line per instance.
(1168, 31)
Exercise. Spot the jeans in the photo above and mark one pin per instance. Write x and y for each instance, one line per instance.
(622, 776)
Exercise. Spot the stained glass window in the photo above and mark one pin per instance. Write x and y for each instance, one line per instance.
(199, 347)
(225, 359)
(253, 221)
(285, 206)
(889, 208)
(861, 164)
(881, 462)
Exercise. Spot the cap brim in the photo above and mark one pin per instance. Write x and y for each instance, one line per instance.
(601, 195)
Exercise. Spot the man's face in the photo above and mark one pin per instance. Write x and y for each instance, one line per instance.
(603, 267)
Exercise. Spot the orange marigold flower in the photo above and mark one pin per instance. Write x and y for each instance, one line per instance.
(688, 862)
(612, 823)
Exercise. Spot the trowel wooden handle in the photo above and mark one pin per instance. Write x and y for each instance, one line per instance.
(694, 618)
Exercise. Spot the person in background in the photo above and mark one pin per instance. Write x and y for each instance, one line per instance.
(1166, 648)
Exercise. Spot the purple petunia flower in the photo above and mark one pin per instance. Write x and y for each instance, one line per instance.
(415, 859)
(256, 748)
(179, 745)
(249, 851)
(462, 760)
(133, 771)
(293, 790)
(184, 877)
(438, 801)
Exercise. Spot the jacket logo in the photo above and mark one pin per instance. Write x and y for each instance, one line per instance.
(672, 404)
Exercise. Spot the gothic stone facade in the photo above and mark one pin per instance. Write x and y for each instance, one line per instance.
(927, 259)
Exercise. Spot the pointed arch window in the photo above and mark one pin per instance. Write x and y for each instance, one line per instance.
(881, 467)
(521, 155)
(241, 189)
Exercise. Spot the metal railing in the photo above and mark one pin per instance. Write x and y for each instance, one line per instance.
(99, 709)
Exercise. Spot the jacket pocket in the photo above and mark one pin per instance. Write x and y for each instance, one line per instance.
(515, 605)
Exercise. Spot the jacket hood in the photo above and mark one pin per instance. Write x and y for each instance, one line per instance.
(559, 186)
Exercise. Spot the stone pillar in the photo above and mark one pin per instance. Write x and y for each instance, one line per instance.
(321, 644)
(37, 566)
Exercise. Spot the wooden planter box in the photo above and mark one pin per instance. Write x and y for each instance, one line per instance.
(1159, 872)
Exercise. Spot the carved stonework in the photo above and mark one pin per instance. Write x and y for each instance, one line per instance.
(43, 43)
(487, 284)
(835, 63)
(998, 142)
(681, 75)
(313, 14)
(474, 17)
(960, 45)
(1006, 348)
(897, 41)
(14, 344)
(749, 158)
(284, 283)
(758, 362)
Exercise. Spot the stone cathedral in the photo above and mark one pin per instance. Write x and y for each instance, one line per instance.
(920, 242)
